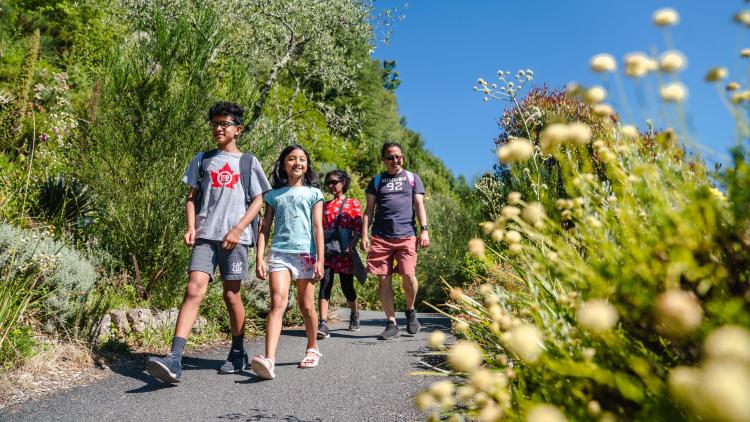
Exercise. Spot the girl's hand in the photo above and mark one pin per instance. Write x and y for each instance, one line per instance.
(232, 238)
(365, 244)
(189, 237)
(260, 269)
(318, 269)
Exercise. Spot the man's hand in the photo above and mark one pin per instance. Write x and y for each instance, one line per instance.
(318, 269)
(189, 237)
(365, 245)
(424, 239)
(260, 269)
(232, 238)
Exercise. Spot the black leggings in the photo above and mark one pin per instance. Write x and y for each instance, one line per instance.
(347, 285)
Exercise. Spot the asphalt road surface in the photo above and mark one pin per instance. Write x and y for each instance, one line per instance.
(360, 378)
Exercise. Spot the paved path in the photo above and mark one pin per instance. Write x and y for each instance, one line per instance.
(360, 378)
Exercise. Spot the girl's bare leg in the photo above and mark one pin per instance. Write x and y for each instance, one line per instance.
(306, 301)
(278, 284)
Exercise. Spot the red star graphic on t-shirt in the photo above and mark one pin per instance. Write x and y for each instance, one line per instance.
(225, 177)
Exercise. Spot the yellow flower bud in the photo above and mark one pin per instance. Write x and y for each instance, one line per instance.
(674, 92)
(716, 74)
(465, 356)
(666, 17)
(672, 61)
(436, 340)
(597, 316)
(603, 63)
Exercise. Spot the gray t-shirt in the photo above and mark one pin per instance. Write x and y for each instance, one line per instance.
(223, 194)
(394, 204)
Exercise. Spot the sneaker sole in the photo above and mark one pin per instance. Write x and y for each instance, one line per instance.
(381, 337)
(322, 336)
(161, 372)
(233, 371)
(261, 370)
(353, 329)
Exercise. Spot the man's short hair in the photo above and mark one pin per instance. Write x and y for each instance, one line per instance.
(226, 108)
(388, 145)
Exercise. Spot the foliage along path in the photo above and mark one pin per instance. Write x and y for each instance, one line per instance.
(359, 378)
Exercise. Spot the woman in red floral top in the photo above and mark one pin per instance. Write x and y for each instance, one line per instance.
(337, 182)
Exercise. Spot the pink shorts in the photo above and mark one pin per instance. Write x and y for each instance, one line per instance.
(383, 251)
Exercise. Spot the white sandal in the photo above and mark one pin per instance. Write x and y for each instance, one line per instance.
(263, 366)
(311, 362)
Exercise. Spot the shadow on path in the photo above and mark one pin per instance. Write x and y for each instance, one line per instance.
(261, 415)
(136, 369)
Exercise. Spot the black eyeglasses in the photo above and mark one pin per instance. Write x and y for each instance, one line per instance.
(223, 125)
(332, 182)
(394, 157)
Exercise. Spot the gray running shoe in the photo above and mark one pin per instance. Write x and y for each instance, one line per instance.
(391, 331)
(412, 324)
(354, 321)
(236, 362)
(323, 331)
(166, 369)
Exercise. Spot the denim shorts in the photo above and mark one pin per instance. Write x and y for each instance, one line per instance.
(208, 254)
(300, 265)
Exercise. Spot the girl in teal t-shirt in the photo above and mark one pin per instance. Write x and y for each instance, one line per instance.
(295, 207)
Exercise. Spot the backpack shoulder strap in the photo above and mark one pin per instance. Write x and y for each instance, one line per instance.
(410, 178)
(205, 162)
(377, 181)
(246, 171)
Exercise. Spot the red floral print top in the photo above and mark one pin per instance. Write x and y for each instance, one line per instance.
(351, 218)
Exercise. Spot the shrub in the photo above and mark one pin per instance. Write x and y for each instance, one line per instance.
(627, 298)
(65, 275)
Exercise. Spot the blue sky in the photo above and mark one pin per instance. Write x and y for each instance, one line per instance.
(443, 46)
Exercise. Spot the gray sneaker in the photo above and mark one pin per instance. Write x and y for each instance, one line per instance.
(323, 331)
(412, 323)
(354, 321)
(236, 362)
(391, 331)
(166, 369)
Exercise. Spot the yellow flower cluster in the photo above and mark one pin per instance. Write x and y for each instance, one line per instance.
(719, 388)
(516, 150)
(576, 133)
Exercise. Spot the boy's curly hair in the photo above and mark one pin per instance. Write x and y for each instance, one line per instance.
(226, 108)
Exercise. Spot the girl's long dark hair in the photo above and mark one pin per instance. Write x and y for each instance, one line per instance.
(279, 178)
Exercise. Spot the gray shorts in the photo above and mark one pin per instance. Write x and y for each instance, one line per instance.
(207, 254)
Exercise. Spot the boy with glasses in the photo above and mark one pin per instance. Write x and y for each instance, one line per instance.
(396, 197)
(225, 196)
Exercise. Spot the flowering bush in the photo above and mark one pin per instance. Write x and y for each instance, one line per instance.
(628, 298)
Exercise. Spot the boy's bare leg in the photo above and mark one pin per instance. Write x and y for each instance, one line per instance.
(235, 308)
(306, 302)
(386, 296)
(194, 293)
(279, 286)
(409, 282)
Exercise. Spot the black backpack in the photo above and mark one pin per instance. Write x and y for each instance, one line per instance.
(246, 169)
